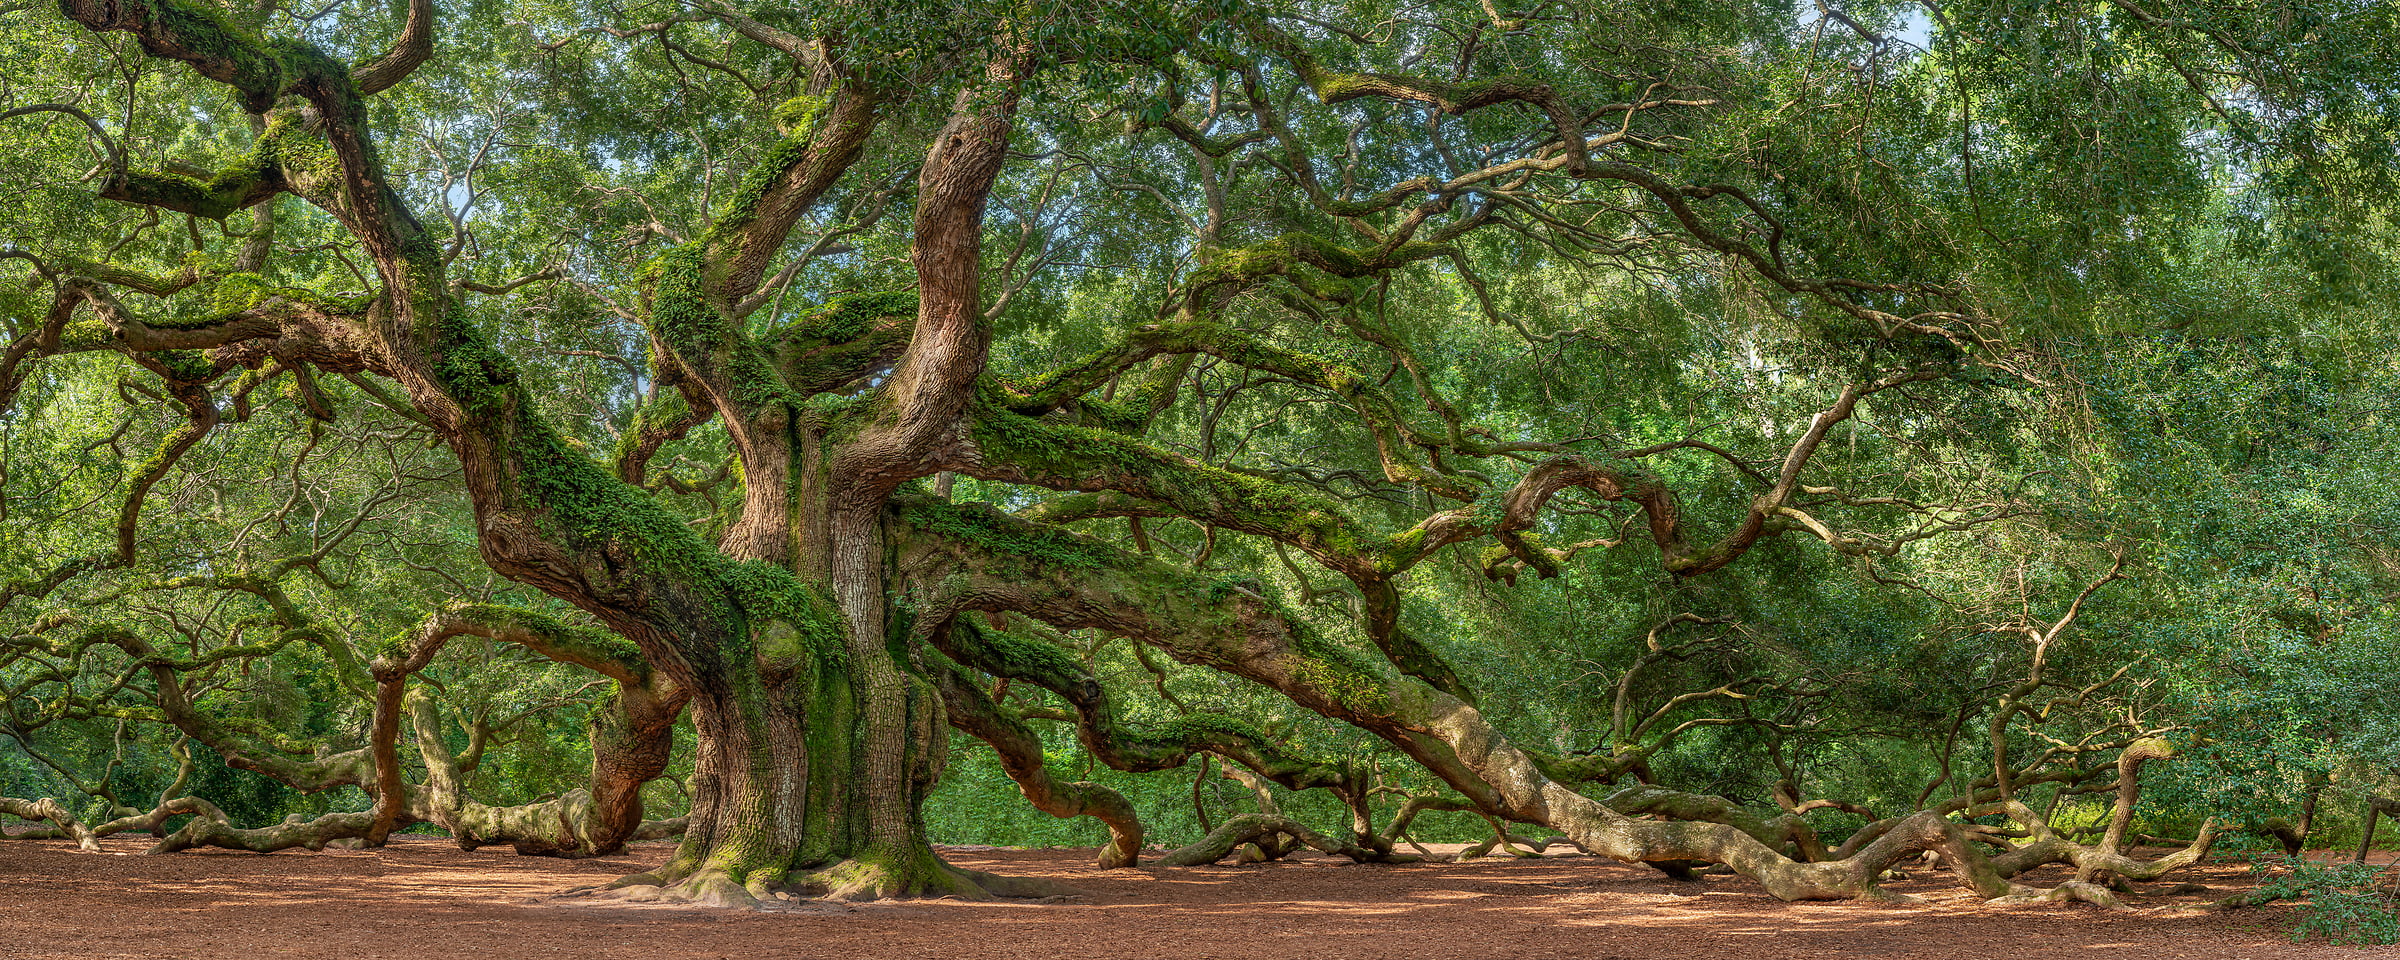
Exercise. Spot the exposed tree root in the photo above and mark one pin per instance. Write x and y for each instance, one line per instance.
(2071, 891)
(849, 881)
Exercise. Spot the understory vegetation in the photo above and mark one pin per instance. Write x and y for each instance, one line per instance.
(1804, 441)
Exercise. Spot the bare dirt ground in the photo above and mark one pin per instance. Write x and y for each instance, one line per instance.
(423, 898)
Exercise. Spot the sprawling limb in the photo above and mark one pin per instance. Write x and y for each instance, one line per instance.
(208, 827)
(217, 830)
(243, 745)
(205, 830)
(2292, 835)
(2048, 847)
(1126, 746)
(973, 711)
(1073, 582)
(2017, 699)
(1133, 478)
(1158, 482)
(49, 810)
(2129, 791)
(1123, 745)
(1256, 828)
(632, 737)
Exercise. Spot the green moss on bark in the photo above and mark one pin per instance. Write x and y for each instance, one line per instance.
(984, 528)
(1100, 459)
(682, 316)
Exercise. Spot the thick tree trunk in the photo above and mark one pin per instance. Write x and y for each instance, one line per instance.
(814, 785)
(815, 762)
(815, 757)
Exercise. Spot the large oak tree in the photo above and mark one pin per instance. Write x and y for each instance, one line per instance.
(885, 250)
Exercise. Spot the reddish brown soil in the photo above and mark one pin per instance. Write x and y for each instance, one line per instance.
(421, 898)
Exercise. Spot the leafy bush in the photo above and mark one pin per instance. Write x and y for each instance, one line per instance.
(2348, 903)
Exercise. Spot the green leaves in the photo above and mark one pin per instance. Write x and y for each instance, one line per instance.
(2345, 901)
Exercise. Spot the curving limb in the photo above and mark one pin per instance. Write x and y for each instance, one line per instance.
(206, 830)
(1073, 582)
(2371, 811)
(408, 51)
(1257, 828)
(632, 736)
(974, 712)
(49, 810)
(1137, 748)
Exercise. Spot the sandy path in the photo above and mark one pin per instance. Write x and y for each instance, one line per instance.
(421, 898)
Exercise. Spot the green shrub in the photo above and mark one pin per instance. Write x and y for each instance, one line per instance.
(2347, 903)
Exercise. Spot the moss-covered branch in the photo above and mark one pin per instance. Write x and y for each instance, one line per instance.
(1122, 744)
(822, 139)
(843, 340)
(300, 765)
(246, 183)
(1334, 86)
(1398, 440)
(973, 711)
(1096, 586)
(199, 34)
(1022, 449)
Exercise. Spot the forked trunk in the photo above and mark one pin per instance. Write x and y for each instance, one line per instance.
(814, 761)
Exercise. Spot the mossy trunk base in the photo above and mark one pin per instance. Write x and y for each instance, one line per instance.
(783, 810)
